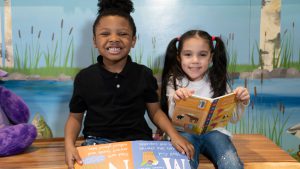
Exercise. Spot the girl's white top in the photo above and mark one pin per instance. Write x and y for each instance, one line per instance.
(202, 88)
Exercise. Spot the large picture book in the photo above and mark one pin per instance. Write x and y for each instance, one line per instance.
(198, 115)
(132, 155)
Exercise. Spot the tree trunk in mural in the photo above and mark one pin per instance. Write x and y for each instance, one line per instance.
(270, 33)
(9, 59)
(1, 64)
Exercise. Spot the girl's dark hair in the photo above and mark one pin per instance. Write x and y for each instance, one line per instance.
(121, 8)
(172, 70)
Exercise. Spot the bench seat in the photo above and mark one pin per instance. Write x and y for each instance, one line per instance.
(257, 152)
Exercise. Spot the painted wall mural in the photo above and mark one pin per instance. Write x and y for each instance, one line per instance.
(44, 44)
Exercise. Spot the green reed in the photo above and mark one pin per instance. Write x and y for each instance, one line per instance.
(138, 53)
(152, 61)
(260, 59)
(252, 57)
(51, 55)
(232, 53)
(31, 53)
(299, 59)
(31, 57)
(94, 55)
(286, 53)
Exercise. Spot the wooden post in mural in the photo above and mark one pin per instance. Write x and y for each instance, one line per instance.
(270, 33)
(9, 58)
(1, 63)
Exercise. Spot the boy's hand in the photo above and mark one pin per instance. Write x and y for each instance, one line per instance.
(242, 95)
(182, 93)
(183, 146)
(72, 156)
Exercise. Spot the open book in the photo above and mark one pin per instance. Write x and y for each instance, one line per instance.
(132, 155)
(198, 115)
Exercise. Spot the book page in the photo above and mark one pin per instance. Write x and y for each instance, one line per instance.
(110, 156)
(189, 115)
(222, 109)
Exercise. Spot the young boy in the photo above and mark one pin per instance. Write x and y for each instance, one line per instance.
(115, 92)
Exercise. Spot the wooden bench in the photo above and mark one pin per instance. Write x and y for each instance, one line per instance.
(256, 151)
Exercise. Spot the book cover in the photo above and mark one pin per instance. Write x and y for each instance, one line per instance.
(132, 155)
(199, 114)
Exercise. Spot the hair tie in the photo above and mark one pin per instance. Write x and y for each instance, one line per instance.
(178, 38)
(213, 38)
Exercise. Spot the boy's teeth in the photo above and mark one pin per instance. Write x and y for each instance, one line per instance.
(113, 50)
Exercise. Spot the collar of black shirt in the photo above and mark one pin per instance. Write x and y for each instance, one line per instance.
(108, 75)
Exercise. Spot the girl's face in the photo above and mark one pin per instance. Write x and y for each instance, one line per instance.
(114, 39)
(195, 57)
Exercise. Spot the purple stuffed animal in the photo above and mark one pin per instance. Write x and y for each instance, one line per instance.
(15, 134)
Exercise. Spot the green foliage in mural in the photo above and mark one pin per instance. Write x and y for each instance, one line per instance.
(55, 59)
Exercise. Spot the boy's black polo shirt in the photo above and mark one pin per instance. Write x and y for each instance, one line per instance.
(115, 103)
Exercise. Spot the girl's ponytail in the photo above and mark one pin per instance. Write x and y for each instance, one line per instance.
(168, 70)
(218, 72)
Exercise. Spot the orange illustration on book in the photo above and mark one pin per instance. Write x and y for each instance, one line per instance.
(149, 159)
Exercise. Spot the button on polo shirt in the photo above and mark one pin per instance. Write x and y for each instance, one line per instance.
(115, 103)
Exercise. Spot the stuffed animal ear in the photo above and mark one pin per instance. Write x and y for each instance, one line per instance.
(13, 106)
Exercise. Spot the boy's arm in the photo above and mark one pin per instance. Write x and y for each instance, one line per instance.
(161, 120)
(72, 129)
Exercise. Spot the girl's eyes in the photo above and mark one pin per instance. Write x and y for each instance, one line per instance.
(187, 54)
(199, 54)
(203, 54)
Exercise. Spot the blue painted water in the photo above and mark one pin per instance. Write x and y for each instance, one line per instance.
(51, 99)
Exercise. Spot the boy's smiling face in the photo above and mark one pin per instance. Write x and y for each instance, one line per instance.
(114, 39)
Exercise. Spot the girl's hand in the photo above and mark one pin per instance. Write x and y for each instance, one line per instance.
(242, 95)
(183, 146)
(182, 93)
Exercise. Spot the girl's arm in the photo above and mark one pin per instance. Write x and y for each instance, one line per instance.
(162, 121)
(72, 129)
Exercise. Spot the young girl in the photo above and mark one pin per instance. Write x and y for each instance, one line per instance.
(115, 92)
(196, 63)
